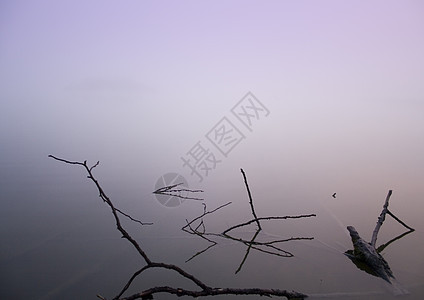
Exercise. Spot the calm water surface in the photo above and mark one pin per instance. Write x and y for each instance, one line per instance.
(60, 241)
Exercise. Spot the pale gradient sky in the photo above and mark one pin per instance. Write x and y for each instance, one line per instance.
(143, 81)
(138, 83)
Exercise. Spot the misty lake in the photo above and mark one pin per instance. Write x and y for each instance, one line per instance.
(60, 240)
(321, 103)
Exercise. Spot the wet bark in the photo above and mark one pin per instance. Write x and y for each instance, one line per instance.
(365, 255)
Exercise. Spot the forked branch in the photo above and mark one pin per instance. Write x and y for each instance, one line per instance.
(267, 247)
(366, 256)
(203, 289)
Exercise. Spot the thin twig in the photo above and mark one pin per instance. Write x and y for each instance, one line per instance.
(380, 219)
(268, 218)
(397, 219)
(132, 219)
(382, 247)
(215, 292)
(250, 200)
(251, 244)
(106, 199)
(202, 251)
(204, 214)
(170, 191)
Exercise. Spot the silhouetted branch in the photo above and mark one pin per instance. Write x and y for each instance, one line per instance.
(205, 290)
(170, 191)
(249, 246)
(213, 244)
(250, 200)
(268, 218)
(101, 193)
(215, 292)
(252, 243)
(202, 234)
(365, 255)
(131, 218)
(204, 214)
(382, 247)
(381, 219)
(97, 163)
(397, 219)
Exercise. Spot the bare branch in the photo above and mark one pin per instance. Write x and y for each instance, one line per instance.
(106, 199)
(250, 200)
(268, 218)
(205, 289)
(400, 221)
(67, 161)
(382, 247)
(365, 255)
(380, 219)
(132, 219)
(204, 214)
(134, 276)
(252, 243)
(170, 191)
(95, 165)
(215, 292)
(249, 246)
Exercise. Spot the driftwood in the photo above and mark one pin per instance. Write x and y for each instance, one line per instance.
(202, 288)
(365, 255)
(268, 247)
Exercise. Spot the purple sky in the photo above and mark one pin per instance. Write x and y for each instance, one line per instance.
(105, 78)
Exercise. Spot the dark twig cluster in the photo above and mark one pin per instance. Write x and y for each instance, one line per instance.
(170, 190)
(203, 289)
(268, 247)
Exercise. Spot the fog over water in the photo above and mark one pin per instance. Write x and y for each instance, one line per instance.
(137, 85)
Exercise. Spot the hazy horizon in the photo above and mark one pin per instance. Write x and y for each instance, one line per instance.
(136, 85)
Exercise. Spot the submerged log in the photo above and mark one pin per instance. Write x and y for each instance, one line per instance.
(366, 257)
